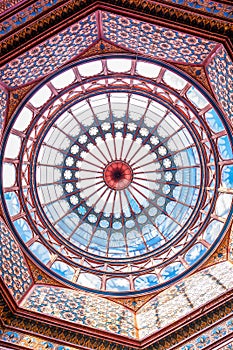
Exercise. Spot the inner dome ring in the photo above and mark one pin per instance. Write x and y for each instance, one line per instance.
(73, 171)
(82, 170)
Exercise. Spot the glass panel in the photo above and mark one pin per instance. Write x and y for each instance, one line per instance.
(64, 79)
(137, 107)
(12, 203)
(195, 253)
(225, 148)
(146, 281)
(9, 175)
(212, 231)
(119, 65)
(12, 147)
(119, 104)
(63, 270)
(117, 284)
(90, 68)
(41, 252)
(82, 235)
(68, 224)
(41, 96)
(89, 280)
(23, 119)
(154, 114)
(227, 176)
(23, 229)
(172, 270)
(197, 98)
(81, 114)
(214, 121)
(148, 70)
(174, 80)
(223, 205)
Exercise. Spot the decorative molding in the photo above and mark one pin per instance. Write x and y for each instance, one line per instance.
(59, 333)
(76, 338)
(70, 10)
(15, 97)
(134, 304)
(8, 5)
(193, 327)
(40, 277)
(198, 73)
(102, 47)
(211, 336)
(206, 7)
(221, 253)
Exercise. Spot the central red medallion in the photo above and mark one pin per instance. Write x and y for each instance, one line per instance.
(118, 175)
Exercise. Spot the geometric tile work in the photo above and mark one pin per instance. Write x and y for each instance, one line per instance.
(13, 269)
(220, 71)
(169, 306)
(154, 40)
(29, 341)
(3, 106)
(30, 332)
(193, 330)
(211, 336)
(81, 308)
(176, 301)
(28, 13)
(210, 7)
(166, 308)
(51, 54)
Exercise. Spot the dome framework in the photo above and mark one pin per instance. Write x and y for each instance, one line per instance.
(39, 308)
(83, 224)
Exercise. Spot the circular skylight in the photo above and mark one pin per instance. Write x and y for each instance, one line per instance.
(119, 175)
(126, 185)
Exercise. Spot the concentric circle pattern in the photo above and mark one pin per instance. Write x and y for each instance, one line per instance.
(112, 175)
(120, 178)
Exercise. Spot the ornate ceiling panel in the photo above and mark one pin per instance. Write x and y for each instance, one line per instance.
(82, 309)
(59, 135)
(14, 270)
(51, 54)
(220, 72)
(26, 13)
(156, 41)
(176, 302)
(168, 307)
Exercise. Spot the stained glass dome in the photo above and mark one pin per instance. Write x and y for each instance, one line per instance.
(115, 174)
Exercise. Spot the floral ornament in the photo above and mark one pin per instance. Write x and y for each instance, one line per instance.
(218, 332)
(202, 341)
(230, 324)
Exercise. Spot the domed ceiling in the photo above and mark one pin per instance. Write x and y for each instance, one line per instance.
(119, 159)
(116, 172)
